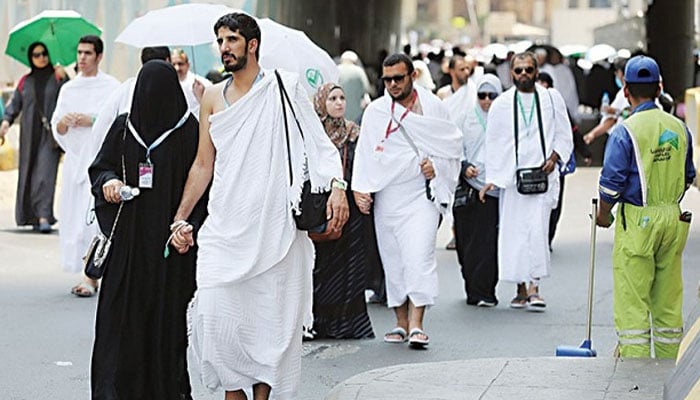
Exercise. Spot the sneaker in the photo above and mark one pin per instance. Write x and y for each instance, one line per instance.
(484, 303)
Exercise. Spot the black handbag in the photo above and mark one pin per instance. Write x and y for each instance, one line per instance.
(530, 180)
(98, 251)
(312, 205)
(464, 194)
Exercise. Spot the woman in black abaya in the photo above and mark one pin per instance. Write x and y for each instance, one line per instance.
(33, 101)
(141, 330)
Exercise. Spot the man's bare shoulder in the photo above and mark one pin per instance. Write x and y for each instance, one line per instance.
(213, 99)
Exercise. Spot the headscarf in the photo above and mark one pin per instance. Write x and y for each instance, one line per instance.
(41, 75)
(158, 102)
(339, 130)
(489, 83)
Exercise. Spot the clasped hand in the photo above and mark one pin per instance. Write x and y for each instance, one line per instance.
(110, 190)
(182, 238)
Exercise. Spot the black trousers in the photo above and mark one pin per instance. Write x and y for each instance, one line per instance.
(476, 236)
(556, 213)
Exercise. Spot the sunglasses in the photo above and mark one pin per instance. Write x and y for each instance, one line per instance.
(527, 70)
(395, 78)
(41, 54)
(484, 95)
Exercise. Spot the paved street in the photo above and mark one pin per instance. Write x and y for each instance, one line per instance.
(46, 335)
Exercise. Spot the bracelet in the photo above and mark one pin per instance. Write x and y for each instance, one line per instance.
(177, 225)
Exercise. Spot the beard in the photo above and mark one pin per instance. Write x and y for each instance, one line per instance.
(525, 84)
(404, 93)
(241, 62)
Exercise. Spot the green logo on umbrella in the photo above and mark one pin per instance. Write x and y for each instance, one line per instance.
(314, 77)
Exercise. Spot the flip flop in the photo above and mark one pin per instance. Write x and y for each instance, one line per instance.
(415, 342)
(398, 331)
(83, 290)
(536, 303)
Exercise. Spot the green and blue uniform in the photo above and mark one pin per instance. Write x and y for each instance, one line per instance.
(648, 166)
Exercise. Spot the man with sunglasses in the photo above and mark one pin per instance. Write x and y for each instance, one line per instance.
(407, 156)
(78, 104)
(527, 130)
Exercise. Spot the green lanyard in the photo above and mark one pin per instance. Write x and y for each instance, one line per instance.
(482, 122)
(527, 121)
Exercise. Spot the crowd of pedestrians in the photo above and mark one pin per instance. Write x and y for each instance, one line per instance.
(207, 255)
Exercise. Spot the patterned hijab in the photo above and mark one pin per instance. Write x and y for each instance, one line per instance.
(339, 130)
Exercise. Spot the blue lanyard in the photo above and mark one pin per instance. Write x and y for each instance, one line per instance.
(230, 80)
(479, 117)
(160, 139)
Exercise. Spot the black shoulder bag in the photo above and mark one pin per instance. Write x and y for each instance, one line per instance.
(529, 180)
(312, 205)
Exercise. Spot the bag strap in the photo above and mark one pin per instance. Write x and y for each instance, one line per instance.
(121, 204)
(285, 100)
(428, 192)
(539, 125)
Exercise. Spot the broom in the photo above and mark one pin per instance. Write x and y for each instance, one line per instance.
(585, 350)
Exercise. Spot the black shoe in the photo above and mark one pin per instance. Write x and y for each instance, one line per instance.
(44, 227)
(376, 299)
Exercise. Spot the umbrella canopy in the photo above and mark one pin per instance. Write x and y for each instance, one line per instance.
(600, 52)
(193, 23)
(291, 50)
(499, 50)
(573, 50)
(59, 30)
(182, 25)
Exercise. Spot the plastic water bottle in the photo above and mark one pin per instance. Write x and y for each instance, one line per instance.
(605, 101)
(127, 193)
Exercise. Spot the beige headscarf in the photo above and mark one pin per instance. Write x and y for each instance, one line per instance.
(339, 130)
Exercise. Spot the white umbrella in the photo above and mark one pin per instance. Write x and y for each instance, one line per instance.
(183, 25)
(573, 49)
(499, 50)
(288, 49)
(600, 52)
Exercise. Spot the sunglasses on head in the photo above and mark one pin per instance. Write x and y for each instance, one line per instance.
(40, 54)
(395, 78)
(527, 70)
(484, 95)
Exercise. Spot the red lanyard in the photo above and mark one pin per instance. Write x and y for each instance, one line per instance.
(389, 129)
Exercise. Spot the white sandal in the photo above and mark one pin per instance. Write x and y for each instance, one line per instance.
(83, 289)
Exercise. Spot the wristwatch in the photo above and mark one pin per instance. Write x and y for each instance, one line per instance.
(339, 183)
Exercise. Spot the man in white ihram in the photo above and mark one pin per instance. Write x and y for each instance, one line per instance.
(537, 118)
(78, 104)
(408, 155)
(254, 266)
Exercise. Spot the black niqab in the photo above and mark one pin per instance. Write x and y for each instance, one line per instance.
(158, 102)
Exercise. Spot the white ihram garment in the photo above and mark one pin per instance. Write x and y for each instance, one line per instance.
(406, 221)
(254, 267)
(523, 251)
(83, 95)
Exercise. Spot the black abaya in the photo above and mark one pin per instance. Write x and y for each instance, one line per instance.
(340, 275)
(141, 331)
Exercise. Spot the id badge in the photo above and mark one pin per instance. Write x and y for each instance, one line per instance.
(145, 175)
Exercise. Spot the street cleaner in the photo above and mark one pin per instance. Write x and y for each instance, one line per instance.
(647, 169)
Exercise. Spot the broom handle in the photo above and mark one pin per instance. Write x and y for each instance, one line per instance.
(594, 213)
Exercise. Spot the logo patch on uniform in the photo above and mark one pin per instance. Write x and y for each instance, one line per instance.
(670, 138)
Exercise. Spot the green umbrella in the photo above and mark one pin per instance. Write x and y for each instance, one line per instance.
(59, 30)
